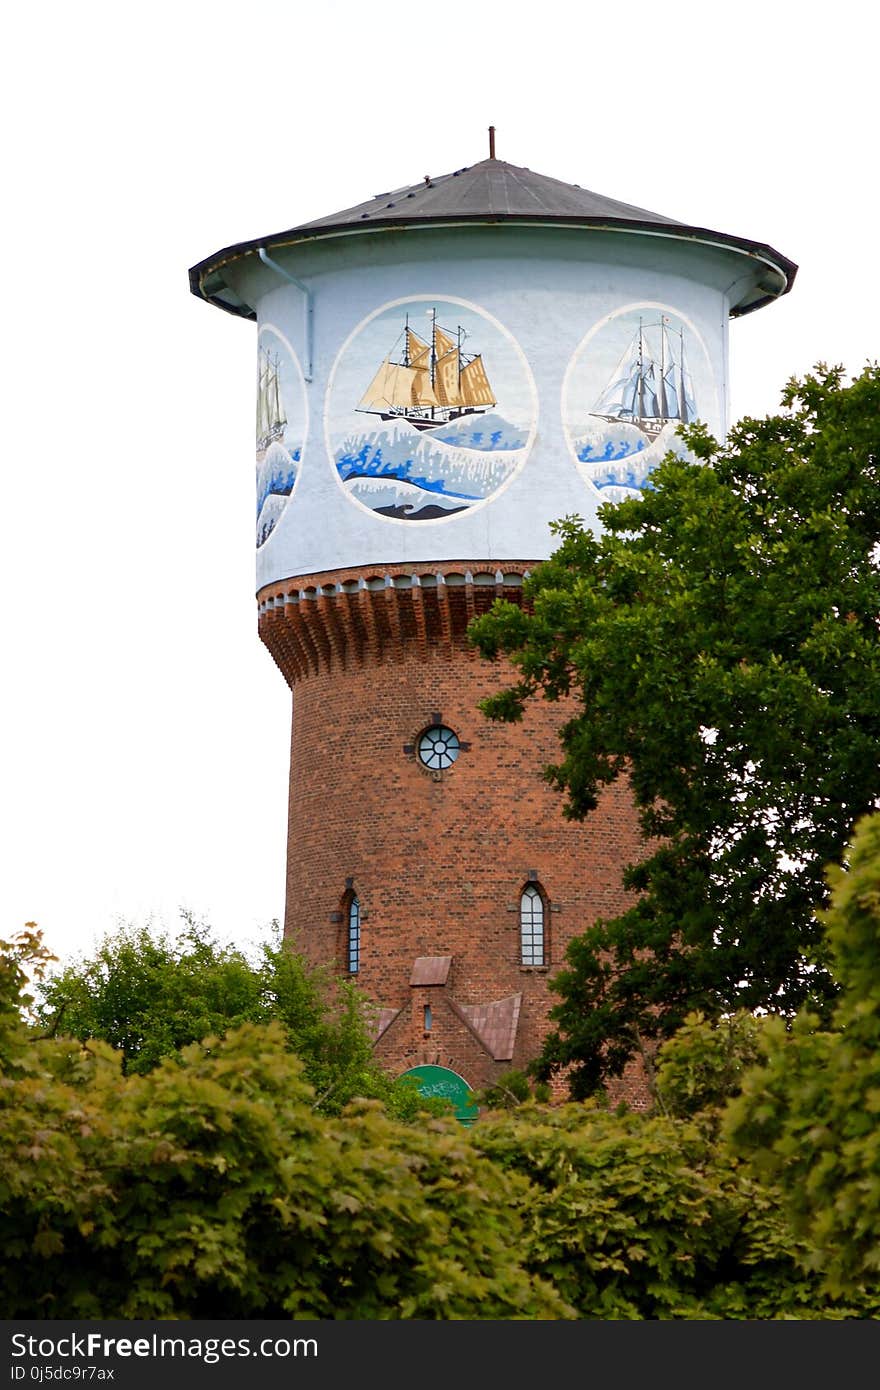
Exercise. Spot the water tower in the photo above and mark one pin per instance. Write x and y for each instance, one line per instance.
(442, 371)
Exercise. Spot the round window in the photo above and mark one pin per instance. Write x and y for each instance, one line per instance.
(438, 748)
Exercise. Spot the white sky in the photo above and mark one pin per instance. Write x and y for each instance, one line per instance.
(143, 727)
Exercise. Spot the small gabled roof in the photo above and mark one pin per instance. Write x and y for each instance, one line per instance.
(492, 192)
(431, 970)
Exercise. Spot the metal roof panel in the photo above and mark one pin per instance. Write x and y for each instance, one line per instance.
(491, 188)
(493, 191)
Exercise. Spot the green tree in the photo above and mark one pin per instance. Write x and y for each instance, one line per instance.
(701, 1067)
(24, 962)
(719, 644)
(326, 1022)
(150, 994)
(646, 1217)
(511, 1089)
(809, 1117)
(210, 1186)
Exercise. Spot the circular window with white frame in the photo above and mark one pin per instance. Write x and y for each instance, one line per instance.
(437, 748)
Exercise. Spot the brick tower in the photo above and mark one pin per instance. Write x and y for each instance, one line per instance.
(443, 371)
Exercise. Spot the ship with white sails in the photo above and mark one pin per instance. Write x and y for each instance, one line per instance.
(651, 384)
(271, 419)
(432, 384)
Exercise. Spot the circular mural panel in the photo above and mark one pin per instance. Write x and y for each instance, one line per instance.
(281, 427)
(431, 410)
(637, 377)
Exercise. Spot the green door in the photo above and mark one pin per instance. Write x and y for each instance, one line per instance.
(440, 1081)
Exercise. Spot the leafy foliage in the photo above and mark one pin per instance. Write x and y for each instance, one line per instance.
(211, 1186)
(719, 644)
(701, 1067)
(513, 1088)
(23, 960)
(150, 995)
(647, 1217)
(808, 1118)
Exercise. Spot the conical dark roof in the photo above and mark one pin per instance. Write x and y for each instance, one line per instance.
(495, 192)
(488, 189)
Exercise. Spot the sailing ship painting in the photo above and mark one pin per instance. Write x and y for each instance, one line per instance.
(280, 428)
(439, 428)
(271, 415)
(651, 384)
(629, 391)
(433, 383)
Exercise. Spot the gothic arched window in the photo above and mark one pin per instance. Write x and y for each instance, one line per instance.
(531, 925)
(353, 934)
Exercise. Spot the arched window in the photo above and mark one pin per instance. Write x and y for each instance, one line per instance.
(531, 925)
(353, 937)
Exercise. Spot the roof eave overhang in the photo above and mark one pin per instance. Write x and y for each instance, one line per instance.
(776, 279)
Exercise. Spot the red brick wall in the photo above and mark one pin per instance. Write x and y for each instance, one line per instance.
(449, 1044)
(438, 861)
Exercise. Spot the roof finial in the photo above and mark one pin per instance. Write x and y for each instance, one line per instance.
(491, 142)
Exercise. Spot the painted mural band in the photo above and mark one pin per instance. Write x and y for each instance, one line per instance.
(281, 428)
(431, 410)
(637, 377)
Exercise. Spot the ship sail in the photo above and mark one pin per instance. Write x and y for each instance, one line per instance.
(434, 383)
(442, 342)
(627, 386)
(271, 418)
(397, 388)
(418, 357)
(650, 386)
(447, 369)
(418, 352)
(669, 405)
(475, 388)
(687, 402)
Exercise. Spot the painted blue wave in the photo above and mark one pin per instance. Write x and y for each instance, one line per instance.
(488, 439)
(587, 454)
(280, 482)
(629, 480)
(369, 463)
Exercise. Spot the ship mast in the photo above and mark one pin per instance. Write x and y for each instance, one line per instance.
(641, 377)
(277, 390)
(682, 398)
(664, 406)
(433, 352)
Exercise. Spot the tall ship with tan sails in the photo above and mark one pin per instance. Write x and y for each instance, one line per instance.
(433, 383)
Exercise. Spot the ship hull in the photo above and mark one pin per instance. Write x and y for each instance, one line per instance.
(652, 428)
(276, 432)
(426, 422)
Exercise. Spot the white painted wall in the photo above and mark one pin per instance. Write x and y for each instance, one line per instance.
(548, 288)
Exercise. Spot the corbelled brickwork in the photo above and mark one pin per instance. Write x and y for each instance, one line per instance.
(351, 618)
(438, 861)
